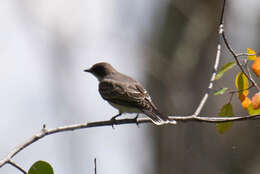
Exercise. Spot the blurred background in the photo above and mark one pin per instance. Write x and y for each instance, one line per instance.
(168, 45)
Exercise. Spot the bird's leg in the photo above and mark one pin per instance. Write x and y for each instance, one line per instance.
(113, 119)
(136, 120)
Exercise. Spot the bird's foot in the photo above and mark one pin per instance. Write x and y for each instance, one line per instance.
(113, 120)
(137, 124)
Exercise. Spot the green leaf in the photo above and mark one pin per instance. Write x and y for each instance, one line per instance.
(252, 111)
(41, 167)
(225, 111)
(220, 91)
(224, 69)
(242, 83)
(252, 57)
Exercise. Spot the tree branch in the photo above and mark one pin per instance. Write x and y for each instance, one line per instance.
(231, 50)
(220, 32)
(44, 132)
(17, 166)
(95, 166)
(235, 55)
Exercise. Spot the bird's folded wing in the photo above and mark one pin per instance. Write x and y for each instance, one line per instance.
(128, 94)
(131, 95)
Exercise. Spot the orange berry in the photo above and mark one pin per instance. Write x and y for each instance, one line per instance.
(256, 66)
(256, 101)
(246, 102)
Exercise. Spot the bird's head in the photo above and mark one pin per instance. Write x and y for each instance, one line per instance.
(100, 70)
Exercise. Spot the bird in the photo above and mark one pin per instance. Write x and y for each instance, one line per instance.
(125, 94)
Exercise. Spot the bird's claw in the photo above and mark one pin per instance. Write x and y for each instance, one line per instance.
(137, 124)
(113, 120)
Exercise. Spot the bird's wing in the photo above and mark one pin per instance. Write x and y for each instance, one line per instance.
(131, 95)
(149, 108)
(120, 93)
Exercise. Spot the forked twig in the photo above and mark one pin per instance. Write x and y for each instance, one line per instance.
(217, 59)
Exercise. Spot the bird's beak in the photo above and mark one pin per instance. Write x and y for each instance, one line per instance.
(87, 70)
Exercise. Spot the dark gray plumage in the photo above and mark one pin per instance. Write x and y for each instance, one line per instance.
(125, 93)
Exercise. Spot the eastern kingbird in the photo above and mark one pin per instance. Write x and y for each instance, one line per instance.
(125, 93)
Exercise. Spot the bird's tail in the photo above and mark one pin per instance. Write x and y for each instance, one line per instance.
(158, 118)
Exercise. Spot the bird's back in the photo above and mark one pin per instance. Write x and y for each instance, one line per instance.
(127, 91)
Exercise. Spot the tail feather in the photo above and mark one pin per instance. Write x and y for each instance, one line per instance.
(158, 118)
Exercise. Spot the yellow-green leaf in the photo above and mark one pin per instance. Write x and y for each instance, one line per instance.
(224, 69)
(242, 83)
(220, 91)
(225, 111)
(253, 54)
(252, 111)
(41, 167)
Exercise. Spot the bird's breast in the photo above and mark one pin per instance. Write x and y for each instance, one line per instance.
(125, 109)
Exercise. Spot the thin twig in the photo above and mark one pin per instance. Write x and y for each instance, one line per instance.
(17, 166)
(231, 96)
(239, 91)
(221, 21)
(95, 164)
(45, 132)
(217, 59)
(248, 71)
(231, 50)
(213, 120)
(244, 54)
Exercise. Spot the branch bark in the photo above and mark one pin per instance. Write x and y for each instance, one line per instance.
(95, 165)
(44, 132)
(217, 59)
(231, 50)
(17, 166)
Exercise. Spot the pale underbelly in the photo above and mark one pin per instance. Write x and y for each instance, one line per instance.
(125, 109)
